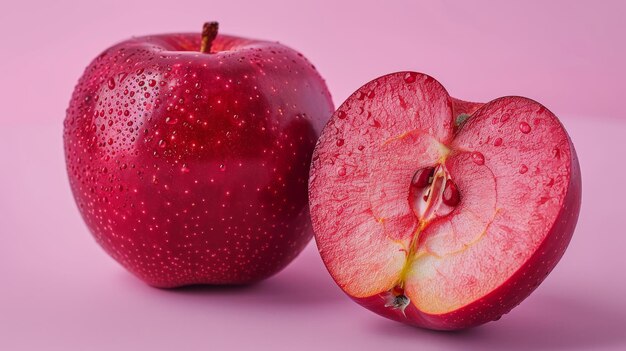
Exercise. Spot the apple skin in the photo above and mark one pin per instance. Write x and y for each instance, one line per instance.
(498, 301)
(191, 167)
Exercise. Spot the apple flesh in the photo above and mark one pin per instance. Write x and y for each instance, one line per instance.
(188, 156)
(437, 212)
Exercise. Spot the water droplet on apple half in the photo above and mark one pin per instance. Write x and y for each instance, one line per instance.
(439, 228)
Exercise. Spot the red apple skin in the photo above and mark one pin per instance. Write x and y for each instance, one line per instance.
(520, 284)
(190, 167)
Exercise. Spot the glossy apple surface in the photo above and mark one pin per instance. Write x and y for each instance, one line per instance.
(437, 212)
(191, 167)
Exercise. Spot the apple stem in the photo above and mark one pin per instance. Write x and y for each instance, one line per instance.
(209, 32)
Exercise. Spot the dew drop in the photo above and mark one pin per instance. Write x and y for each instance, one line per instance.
(478, 158)
(524, 127)
(523, 169)
(360, 95)
(341, 171)
(110, 141)
(152, 82)
(371, 94)
(497, 142)
(171, 120)
(111, 83)
(410, 77)
(162, 143)
(361, 147)
(222, 167)
(341, 115)
(505, 117)
(184, 168)
(340, 142)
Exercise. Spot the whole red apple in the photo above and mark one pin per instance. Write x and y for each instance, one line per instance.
(437, 212)
(188, 155)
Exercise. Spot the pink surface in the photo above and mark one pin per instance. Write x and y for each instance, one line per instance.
(60, 291)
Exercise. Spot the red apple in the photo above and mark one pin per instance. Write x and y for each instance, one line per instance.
(189, 158)
(437, 212)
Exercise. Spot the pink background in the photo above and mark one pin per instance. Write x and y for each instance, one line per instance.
(59, 291)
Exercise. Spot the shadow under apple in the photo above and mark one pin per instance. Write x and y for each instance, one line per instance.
(545, 322)
(303, 283)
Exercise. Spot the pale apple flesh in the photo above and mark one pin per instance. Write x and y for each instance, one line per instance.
(476, 235)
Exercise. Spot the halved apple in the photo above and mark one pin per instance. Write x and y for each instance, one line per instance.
(438, 212)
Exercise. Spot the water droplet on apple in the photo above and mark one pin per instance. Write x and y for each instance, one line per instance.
(361, 147)
(505, 117)
(152, 82)
(523, 169)
(110, 141)
(341, 171)
(162, 143)
(111, 83)
(360, 95)
(171, 120)
(341, 115)
(340, 142)
(478, 158)
(184, 168)
(524, 127)
(222, 167)
(371, 94)
(410, 77)
(497, 142)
